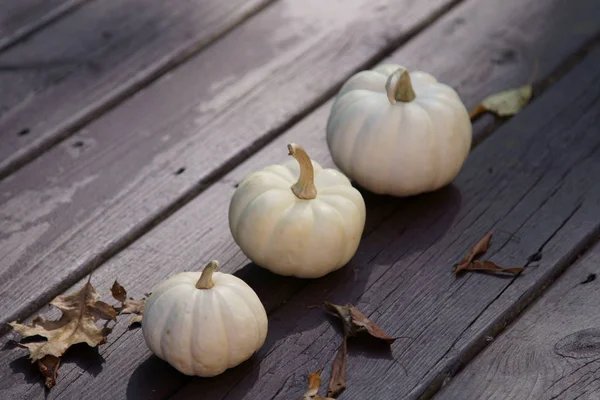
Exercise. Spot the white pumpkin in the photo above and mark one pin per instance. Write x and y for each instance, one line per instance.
(398, 133)
(204, 323)
(297, 218)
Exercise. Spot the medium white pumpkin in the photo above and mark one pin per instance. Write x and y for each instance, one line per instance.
(297, 218)
(398, 133)
(204, 323)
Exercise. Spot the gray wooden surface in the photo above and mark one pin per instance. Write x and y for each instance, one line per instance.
(199, 231)
(81, 202)
(533, 181)
(20, 19)
(550, 352)
(75, 69)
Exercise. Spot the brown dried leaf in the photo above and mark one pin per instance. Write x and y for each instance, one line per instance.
(506, 103)
(77, 324)
(480, 248)
(359, 320)
(337, 382)
(48, 366)
(314, 383)
(355, 322)
(128, 306)
(118, 292)
(489, 266)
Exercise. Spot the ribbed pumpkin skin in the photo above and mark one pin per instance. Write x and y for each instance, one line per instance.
(203, 332)
(398, 149)
(292, 236)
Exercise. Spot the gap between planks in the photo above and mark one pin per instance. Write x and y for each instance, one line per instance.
(510, 367)
(33, 27)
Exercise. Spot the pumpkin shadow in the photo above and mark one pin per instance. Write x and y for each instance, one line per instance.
(156, 379)
(395, 229)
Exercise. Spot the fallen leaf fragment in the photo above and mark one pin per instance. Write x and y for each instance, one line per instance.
(359, 320)
(480, 248)
(314, 383)
(506, 103)
(337, 382)
(356, 322)
(489, 266)
(118, 292)
(48, 366)
(128, 306)
(77, 324)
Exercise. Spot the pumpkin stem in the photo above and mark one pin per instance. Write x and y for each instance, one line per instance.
(304, 188)
(205, 281)
(399, 87)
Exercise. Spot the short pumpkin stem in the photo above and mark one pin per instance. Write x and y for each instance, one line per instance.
(399, 87)
(205, 281)
(305, 187)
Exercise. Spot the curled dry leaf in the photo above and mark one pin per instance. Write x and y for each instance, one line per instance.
(337, 382)
(128, 306)
(355, 322)
(77, 324)
(48, 366)
(489, 266)
(480, 248)
(468, 263)
(506, 103)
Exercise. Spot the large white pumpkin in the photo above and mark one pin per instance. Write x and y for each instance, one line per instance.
(204, 323)
(398, 133)
(297, 218)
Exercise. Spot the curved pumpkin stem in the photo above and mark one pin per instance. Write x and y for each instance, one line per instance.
(205, 281)
(305, 187)
(399, 87)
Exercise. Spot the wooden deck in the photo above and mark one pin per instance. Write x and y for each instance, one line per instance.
(125, 127)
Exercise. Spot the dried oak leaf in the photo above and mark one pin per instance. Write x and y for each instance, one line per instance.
(128, 306)
(314, 383)
(77, 324)
(506, 103)
(480, 248)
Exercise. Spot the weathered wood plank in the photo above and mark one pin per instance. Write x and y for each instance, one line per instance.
(81, 202)
(534, 182)
(550, 352)
(75, 69)
(20, 19)
(199, 231)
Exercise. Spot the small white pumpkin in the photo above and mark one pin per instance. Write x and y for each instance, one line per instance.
(398, 134)
(297, 218)
(204, 323)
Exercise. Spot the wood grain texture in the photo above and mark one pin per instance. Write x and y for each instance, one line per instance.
(75, 206)
(534, 182)
(20, 19)
(199, 231)
(550, 352)
(70, 72)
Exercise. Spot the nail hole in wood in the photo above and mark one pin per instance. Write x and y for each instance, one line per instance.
(78, 144)
(23, 132)
(180, 171)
